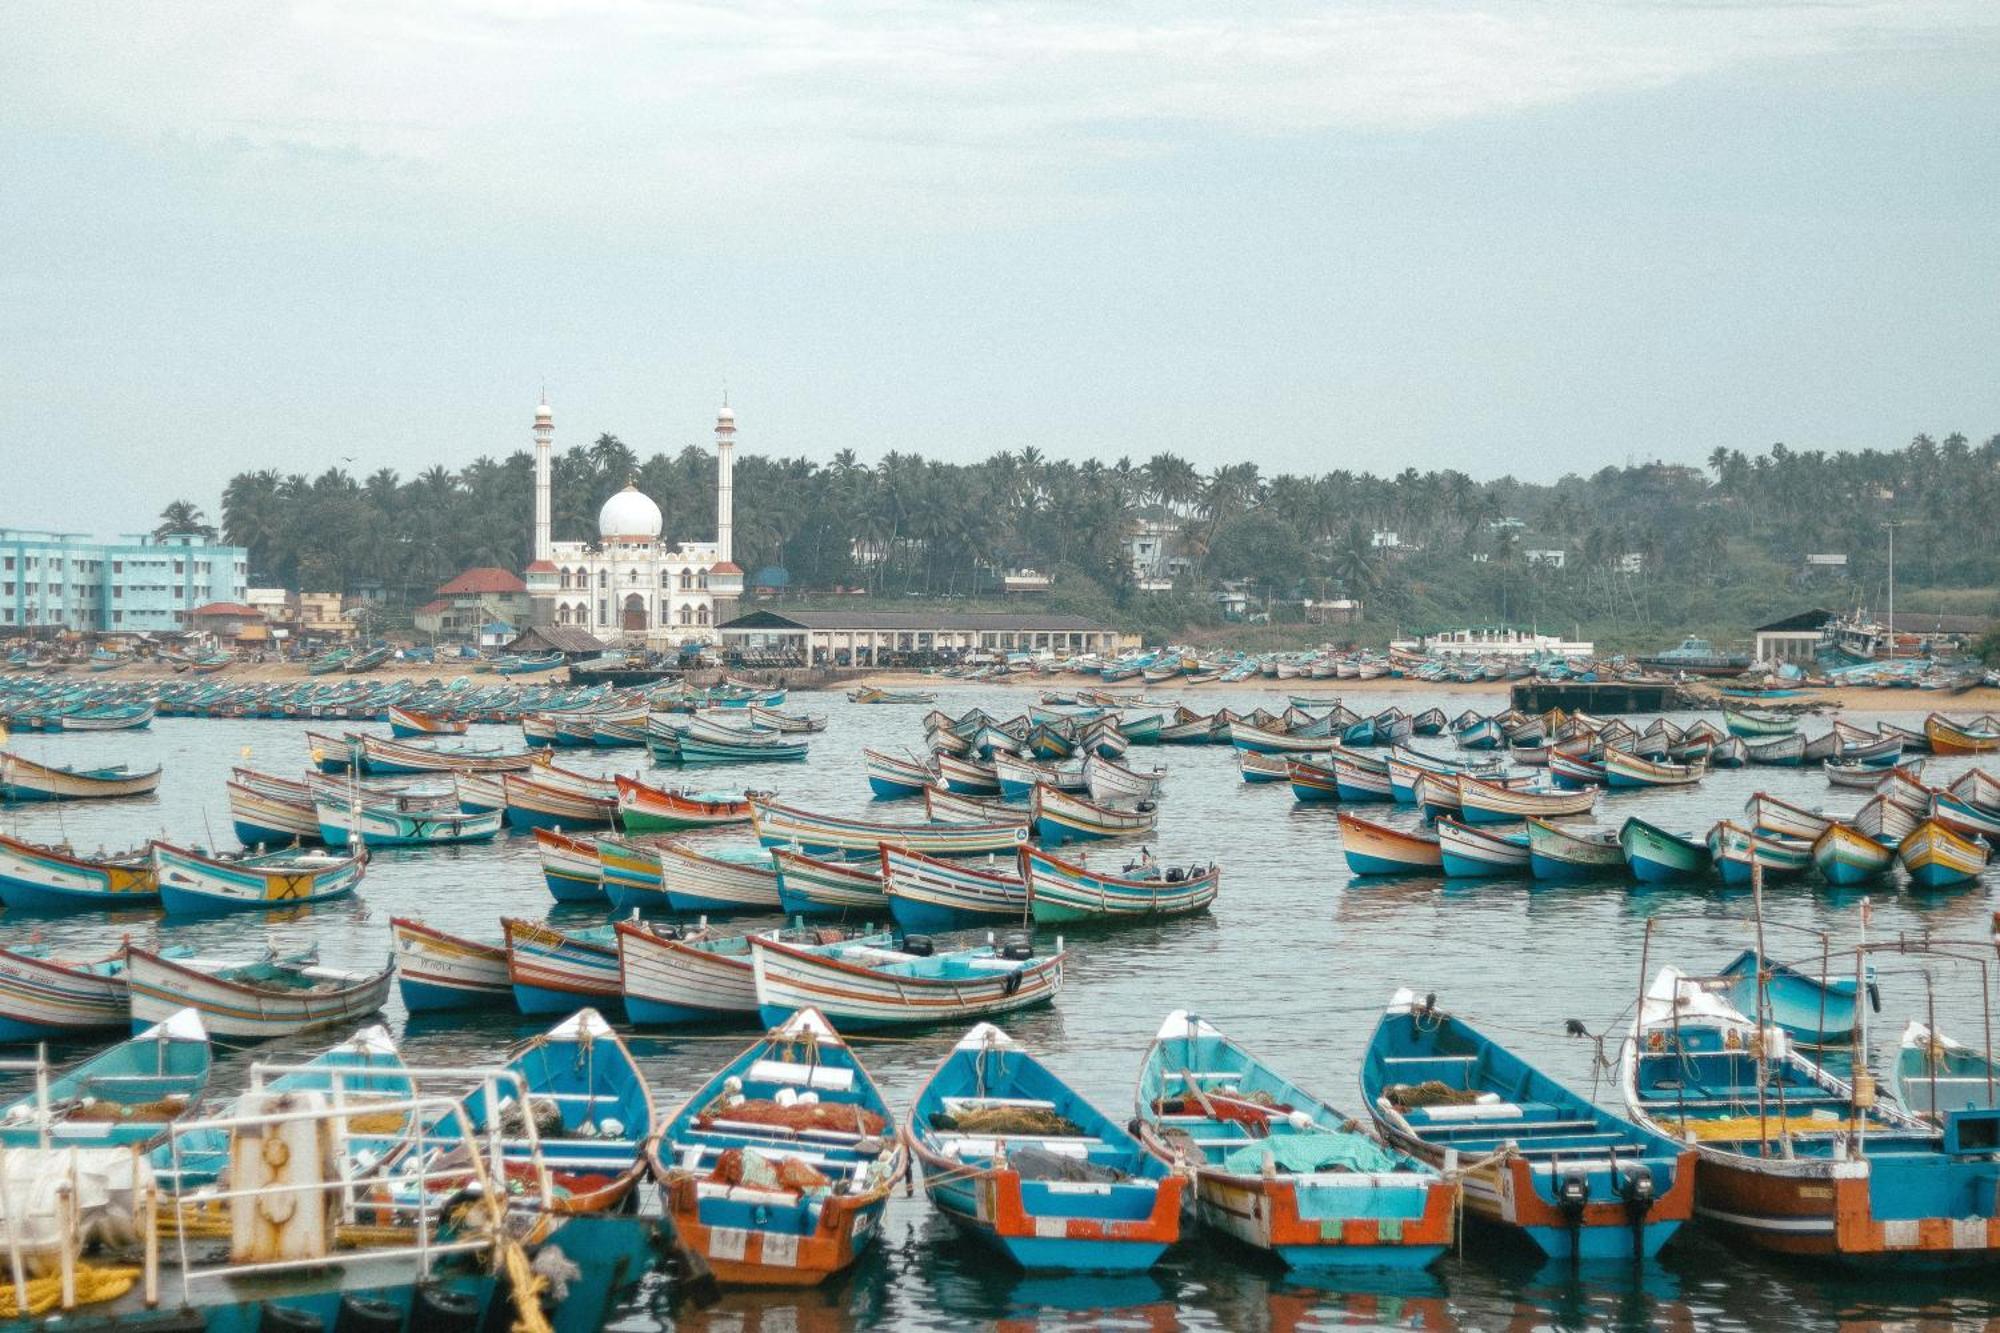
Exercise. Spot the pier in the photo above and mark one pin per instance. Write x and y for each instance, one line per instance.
(1595, 696)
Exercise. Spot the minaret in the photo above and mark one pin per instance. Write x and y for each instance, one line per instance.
(725, 576)
(541, 571)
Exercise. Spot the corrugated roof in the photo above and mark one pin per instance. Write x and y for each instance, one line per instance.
(227, 609)
(862, 618)
(560, 638)
(485, 578)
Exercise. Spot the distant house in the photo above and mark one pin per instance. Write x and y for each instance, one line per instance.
(1796, 638)
(475, 598)
(1150, 551)
(1384, 540)
(235, 624)
(1026, 581)
(1632, 562)
(571, 643)
(323, 615)
(1555, 557)
(1335, 611)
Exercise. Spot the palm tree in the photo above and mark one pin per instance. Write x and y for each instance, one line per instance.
(183, 516)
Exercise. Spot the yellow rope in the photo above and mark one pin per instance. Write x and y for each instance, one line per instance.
(93, 1286)
(527, 1285)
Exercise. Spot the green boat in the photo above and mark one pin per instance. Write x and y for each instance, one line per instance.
(1656, 856)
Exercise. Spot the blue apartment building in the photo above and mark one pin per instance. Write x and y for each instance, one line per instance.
(137, 584)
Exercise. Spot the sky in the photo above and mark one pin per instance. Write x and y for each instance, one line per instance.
(1524, 238)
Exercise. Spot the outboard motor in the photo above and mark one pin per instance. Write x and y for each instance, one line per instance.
(1017, 948)
(1633, 1182)
(918, 946)
(1572, 1195)
(1176, 875)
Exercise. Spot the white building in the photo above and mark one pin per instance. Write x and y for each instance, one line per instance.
(1148, 550)
(630, 584)
(1495, 641)
(1555, 557)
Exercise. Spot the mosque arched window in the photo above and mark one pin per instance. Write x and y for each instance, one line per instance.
(603, 579)
(565, 578)
(666, 578)
(687, 615)
(687, 580)
(701, 616)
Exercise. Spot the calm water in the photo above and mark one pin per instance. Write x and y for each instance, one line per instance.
(1296, 959)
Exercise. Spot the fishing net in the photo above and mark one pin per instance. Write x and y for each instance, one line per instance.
(165, 1109)
(1740, 1128)
(1431, 1092)
(747, 1166)
(546, 1115)
(1043, 1122)
(1300, 1154)
(1041, 1164)
(799, 1117)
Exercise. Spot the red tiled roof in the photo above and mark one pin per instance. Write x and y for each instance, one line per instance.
(227, 609)
(439, 607)
(487, 578)
(726, 567)
(542, 567)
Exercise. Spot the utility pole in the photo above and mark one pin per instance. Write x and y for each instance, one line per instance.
(1892, 525)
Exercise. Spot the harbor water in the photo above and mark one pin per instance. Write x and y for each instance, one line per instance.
(1296, 960)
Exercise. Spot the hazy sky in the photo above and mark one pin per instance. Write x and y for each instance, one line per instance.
(1527, 237)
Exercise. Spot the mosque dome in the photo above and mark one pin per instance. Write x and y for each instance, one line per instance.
(629, 516)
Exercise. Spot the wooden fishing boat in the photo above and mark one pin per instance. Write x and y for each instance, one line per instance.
(1560, 854)
(1494, 803)
(631, 873)
(476, 792)
(1629, 770)
(1312, 783)
(1748, 722)
(126, 1097)
(711, 745)
(394, 826)
(1279, 1169)
(570, 867)
(790, 724)
(1975, 787)
(1059, 817)
(435, 970)
(943, 807)
(1948, 737)
(1379, 849)
(1815, 1009)
(1005, 1145)
(1244, 736)
(808, 886)
(405, 723)
(25, 779)
(867, 986)
(1466, 852)
(869, 694)
(1779, 751)
(1767, 814)
(832, 835)
(533, 804)
(44, 998)
(1844, 855)
(1656, 856)
(1569, 770)
(193, 882)
(381, 755)
(1546, 1162)
(1737, 851)
(265, 815)
(720, 880)
(1795, 1160)
(38, 878)
(557, 972)
(109, 717)
(1062, 891)
(777, 1171)
(254, 1001)
(593, 1116)
(927, 894)
(1964, 818)
(1937, 858)
(1110, 783)
(673, 976)
(967, 777)
(1018, 776)
(1936, 1075)
(1255, 768)
(646, 809)
(1887, 821)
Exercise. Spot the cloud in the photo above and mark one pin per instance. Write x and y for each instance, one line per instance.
(938, 112)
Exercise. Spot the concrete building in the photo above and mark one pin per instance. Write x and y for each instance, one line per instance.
(862, 636)
(136, 584)
(1495, 641)
(1794, 639)
(1150, 550)
(630, 585)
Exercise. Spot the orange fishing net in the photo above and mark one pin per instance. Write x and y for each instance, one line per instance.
(735, 1167)
(841, 1117)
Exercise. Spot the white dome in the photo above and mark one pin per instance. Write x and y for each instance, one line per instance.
(629, 516)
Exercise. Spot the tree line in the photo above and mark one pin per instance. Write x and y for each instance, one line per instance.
(1642, 543)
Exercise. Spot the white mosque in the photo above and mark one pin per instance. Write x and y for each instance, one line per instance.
(629, 586)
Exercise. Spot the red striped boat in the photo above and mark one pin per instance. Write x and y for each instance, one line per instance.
(407, 722)
(867, 986)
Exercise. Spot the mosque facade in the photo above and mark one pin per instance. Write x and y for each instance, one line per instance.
(629, 586)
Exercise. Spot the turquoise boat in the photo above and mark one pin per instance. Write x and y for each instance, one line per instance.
(1546, 1162)
(1815, 1010)
(127, 1096)
(1656, 856)
(1935, 1074)
(1279, 1169)
(1563, 855)
(1017, 1159)
(1738, 852)
(1844, 855)
(396, 826)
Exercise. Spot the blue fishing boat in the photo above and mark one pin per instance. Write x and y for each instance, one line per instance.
(1814, 1009)
(127, 1096)
(1578, 1181)
(39, 878)
(559, 972)
(1659, 857)
(1935, 1075)
(1278, 1169)
(894, 777)
(1018, 1159)
(1560, 854)
(1466, 852)
(778, 1169)
(929, 895)
(1738, 852)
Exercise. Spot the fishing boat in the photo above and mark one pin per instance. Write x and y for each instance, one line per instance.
(271, 812)
(1948, 737)
(893, 777)
(44, 998)
(778, 1169)
(865, 986)
(193, 882)
(1737, 852)
(1749, 722)
(25, 779)
(832, 835)
(383, 756)
(1813, 1008)
(535, 804)
(869, 694)
(1964, 818)
(1059, 816)
(967, 777)
(1018, 776)
(927, 894)
(1544, 1161)
(1767, 814)
(674, 976)
(1779, 751)
(1465, 852)
(1844, 855)
(1936, 1075)
(253, 1002)
(1279, 1169)
(558, 972)
(394, 826)
(1697, 657)
(570, 866)
(435, 970)
(808, 886)
(109, 717)
(1110, 783)
(1495, 803)
(645, 809)
(1380, 849)
(943, 807)
(1061, 891)
(1622, 769)
(124, 1097)
(1560, 854)
(1937, 858)
(38, 878)
(405, 723)
(719, 880)
(1795, 1160)
(1255, 768)
(1017, 1159)
(1656, 856)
